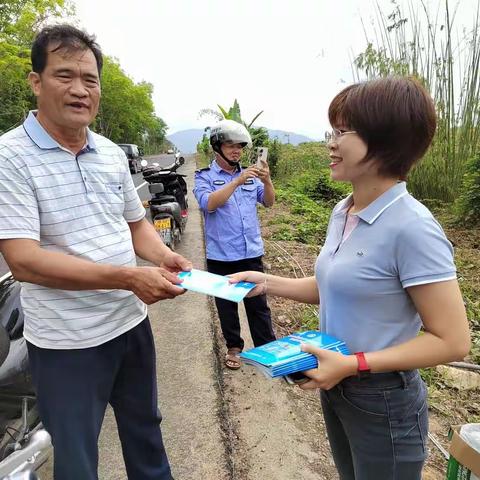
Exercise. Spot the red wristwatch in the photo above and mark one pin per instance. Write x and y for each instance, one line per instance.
(363, 367)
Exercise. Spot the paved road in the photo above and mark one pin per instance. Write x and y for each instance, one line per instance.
(186, 371)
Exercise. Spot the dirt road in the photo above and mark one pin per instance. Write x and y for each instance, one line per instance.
(221, 424)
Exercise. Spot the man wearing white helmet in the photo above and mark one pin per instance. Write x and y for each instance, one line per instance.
(228, 195)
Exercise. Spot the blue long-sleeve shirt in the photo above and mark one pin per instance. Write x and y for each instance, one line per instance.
(232, 231)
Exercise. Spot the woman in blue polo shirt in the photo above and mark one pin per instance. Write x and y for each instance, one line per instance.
(386, 270)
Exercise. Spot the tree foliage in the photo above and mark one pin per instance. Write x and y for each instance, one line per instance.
(15, 94)
(234, 114)
(259, 134)
(468, 204)
(20, 20)
(126, 113)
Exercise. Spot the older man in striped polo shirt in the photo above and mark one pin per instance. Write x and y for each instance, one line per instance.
(71, 224)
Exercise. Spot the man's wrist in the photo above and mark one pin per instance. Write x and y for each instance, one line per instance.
(126, 277)
(163, 255)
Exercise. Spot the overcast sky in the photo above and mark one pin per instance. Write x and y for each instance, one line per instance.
(286, 57)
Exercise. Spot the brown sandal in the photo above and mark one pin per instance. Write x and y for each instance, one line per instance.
(232, 360)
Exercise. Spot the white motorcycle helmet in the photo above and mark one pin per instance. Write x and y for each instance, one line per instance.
(231, 132)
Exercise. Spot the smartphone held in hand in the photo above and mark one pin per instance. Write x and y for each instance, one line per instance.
(262, 154)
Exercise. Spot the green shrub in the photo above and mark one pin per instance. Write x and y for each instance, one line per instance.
(285, 232)
(318, 186)
(294, 161)
(274, 151)
(203, 146)
(468, 204)
(310, 217)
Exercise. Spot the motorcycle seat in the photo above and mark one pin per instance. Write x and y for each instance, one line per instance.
(163, 199)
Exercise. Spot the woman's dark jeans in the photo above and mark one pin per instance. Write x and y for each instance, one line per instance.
(377, 426)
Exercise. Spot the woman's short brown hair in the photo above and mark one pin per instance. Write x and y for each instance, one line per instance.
(394, 116)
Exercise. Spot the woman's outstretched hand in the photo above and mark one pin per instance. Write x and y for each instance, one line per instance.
(254, 277)
(332, 368)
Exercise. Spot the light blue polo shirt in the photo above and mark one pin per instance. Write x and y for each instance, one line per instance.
(396, 244)
(232, 231)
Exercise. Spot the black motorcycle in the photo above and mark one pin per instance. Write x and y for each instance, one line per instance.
(168, 205)
(24, 443)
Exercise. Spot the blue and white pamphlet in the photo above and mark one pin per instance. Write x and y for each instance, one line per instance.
(283, 356)
(215, 285)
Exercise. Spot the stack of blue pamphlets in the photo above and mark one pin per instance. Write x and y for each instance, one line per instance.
(284, 357)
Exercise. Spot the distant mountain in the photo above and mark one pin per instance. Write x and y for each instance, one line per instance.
(289, 137)
(186, 140)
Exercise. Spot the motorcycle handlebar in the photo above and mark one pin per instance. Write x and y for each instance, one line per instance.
(151, 176)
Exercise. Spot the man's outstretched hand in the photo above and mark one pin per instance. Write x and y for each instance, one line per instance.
(151, 284)
(173, 262)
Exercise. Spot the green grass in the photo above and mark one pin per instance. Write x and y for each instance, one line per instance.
(308, 319)
(282, 219)
(307, 221)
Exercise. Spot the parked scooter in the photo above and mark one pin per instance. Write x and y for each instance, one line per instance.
(24, 443)
(169, 204)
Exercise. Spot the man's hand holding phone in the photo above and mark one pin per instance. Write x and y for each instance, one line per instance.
(247, 174)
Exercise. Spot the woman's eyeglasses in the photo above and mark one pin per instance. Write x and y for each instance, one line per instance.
(335, 134)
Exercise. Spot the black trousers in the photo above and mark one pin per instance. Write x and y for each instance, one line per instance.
(258, 312)
(73, 389)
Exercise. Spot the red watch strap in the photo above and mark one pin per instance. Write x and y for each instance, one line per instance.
(362, 362)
